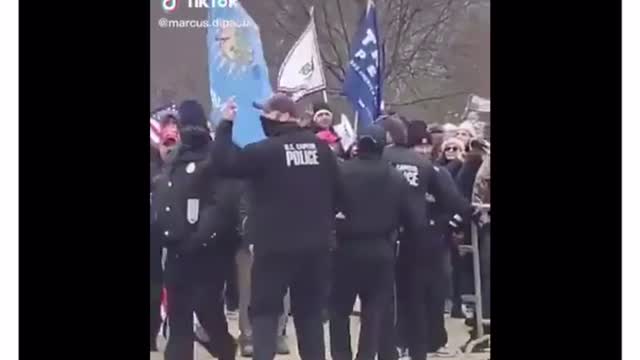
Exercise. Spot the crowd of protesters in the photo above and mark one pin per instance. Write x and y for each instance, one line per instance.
(297, 224)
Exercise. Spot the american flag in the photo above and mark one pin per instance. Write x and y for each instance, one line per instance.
(154, 122)
(154, 131)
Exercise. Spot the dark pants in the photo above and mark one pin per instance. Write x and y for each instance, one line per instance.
(485, 269)
(231, 291)
(244, 262)
(306, 275)
(462, 277)
(387, 349)
(423, 289)
(373, 281)
(155, 287)
(195, 283)
(402, 304)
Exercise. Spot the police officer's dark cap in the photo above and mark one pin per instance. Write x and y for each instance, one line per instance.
(280, 103)
(373, 133)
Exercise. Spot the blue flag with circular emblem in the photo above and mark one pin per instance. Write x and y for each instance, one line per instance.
(237, 68)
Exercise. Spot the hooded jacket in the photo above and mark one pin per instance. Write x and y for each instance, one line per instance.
(467, 174)
(425, 187)
(453, 166)
(193, 207)
(284, 215)
(377, 198)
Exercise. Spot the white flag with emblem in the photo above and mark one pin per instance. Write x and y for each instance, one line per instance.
(345, 132)
(301, 71)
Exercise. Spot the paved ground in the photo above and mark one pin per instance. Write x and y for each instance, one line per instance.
(458, 335)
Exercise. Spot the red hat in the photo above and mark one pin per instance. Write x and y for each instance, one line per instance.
(327, 136)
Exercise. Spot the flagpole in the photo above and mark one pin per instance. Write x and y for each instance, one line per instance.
(355, 123)
(324, 94)
(466, 108)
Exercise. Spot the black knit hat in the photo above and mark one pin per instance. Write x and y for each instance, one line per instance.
(191, 113)
(321, 106)
(417, 133)
(372, 138)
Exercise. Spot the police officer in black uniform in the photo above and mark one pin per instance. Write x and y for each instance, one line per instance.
(288, 224)
(377, 197)
(196, 217)
(420, 250)
(441, 222)
(155, 259)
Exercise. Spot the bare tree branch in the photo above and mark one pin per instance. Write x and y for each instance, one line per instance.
(283, 8)
(394, 55)
(284, 28)
(305, 7)
(335, 69)
(420, 44)
(431, 98)
(332, 41)
(344, 26)
(392, 20)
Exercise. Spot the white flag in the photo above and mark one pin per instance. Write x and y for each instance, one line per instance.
(301, 72)
(345, 132)
(476, 103)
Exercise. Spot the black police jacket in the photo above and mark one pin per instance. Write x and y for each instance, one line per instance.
(192, 206)
(426, 185)
(294, 188)
(442, 219)
(377, 199)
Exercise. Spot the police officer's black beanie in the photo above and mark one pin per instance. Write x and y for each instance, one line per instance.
(417, 133)
(191, 113)
(372, 139)
(321, 106)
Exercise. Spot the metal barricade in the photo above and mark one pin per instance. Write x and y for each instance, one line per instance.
(474, 249)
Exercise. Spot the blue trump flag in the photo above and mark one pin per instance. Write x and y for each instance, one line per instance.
(237, 68)
(364, 78)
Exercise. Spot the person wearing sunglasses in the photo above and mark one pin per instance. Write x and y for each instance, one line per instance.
(452, 155)
(466, 132)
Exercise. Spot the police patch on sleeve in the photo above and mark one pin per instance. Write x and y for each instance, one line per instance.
(410, 173)
(193, 209)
